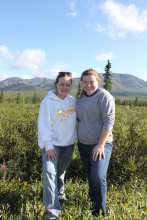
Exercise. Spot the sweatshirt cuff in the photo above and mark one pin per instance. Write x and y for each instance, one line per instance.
(107, 127)
(49, 147)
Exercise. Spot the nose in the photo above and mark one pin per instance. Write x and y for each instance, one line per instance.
(64, 87)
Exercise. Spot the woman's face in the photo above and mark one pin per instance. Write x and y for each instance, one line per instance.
(63, 86)
(89, 84)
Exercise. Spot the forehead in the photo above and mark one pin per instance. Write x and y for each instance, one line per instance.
(64, 79)
(89, 78)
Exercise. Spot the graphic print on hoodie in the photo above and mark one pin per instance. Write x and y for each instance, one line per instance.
(56, 121)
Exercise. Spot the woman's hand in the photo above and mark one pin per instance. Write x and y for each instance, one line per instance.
(98, 151)
(52, 154)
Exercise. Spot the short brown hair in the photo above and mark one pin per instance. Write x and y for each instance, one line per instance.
(62, 74)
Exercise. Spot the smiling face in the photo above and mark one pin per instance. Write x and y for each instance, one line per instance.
(63, 86)
(89, 84)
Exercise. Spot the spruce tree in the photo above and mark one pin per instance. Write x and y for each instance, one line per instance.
(18, 99)
(26, 100)
(136, 102)
(107, 77)
(79, 91)
(34, 101)
(2, 97)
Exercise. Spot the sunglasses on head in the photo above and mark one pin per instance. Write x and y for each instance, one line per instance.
(64, 73)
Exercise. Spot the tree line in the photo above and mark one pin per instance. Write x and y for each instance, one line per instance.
(20, 100)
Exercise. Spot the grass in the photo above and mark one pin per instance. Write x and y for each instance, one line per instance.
(21, 201)
(24, 94)
(42, 94)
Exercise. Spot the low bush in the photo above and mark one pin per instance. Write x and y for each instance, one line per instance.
(129, 156)
(21, 168)
(21, 156)
(22, 201)
(18, 142)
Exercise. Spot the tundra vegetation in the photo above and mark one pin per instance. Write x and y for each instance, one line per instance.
(21, 167)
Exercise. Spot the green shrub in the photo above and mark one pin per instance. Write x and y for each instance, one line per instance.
(128, 201)
(129, 154)
(18, 142)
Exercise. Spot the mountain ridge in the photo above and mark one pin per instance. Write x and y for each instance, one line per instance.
(123, 84)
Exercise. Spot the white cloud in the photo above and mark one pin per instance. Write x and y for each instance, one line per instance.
(99, 28)
(105, 56)
(72, 7)
(5, 52)
(29, 59)
(3, 76)
(73, 14)
(124, 18)
(52, 73)
(62, 66)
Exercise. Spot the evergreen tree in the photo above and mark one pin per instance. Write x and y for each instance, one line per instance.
(2, 97)
(26, 100)
(107, 77)
(79, 91)
(117, 101)
(18, 99)
(124, 103)
(136, 102)
(9, 100)
(34, 101)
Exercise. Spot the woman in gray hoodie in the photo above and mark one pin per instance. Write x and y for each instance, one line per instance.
(95, 114)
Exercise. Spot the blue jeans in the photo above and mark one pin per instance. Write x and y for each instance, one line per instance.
(96, 174)
(53, 179)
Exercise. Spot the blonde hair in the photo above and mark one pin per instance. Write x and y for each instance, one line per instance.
(89, 72)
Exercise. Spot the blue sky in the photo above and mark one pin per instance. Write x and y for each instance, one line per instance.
(39, 38)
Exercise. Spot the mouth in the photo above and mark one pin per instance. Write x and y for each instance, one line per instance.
(64, 91)
(88, 89)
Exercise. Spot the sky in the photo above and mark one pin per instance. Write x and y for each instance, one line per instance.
(39, 38)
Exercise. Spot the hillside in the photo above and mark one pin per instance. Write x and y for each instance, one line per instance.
(123, 85)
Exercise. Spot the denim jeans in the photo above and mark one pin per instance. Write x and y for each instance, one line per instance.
(96, 174)
(53, 179)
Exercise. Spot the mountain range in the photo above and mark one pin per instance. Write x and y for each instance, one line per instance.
(123, 85)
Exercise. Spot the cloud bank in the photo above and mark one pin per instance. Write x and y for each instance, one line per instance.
(72, 8)
(105, 56)
(123, 18)
(30, 59)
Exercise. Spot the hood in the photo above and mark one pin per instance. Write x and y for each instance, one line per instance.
(51, 95)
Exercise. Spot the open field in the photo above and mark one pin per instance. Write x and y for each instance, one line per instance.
(21, 168)
(42, 94)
